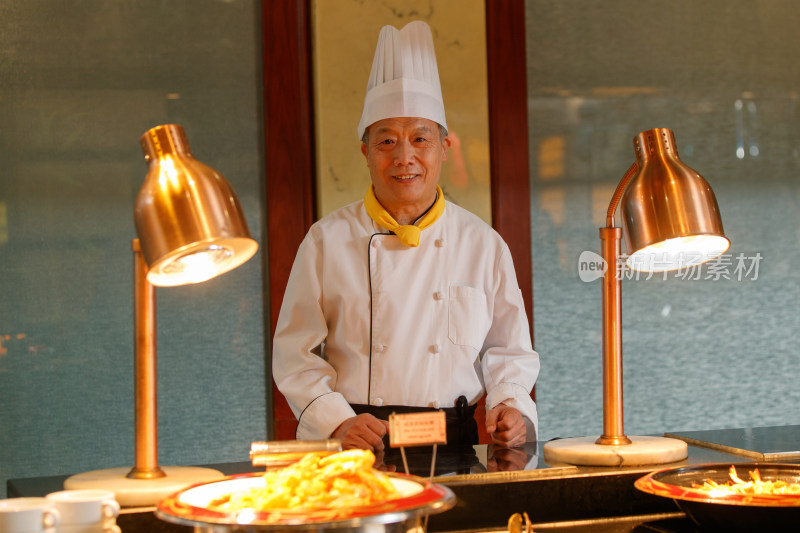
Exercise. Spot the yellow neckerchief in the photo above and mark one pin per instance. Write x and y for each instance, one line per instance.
(409, 235)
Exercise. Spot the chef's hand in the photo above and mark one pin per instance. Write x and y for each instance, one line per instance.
(506, 426)
(362, 431)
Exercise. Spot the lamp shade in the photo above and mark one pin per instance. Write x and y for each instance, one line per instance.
(188, 218)
(670, 215)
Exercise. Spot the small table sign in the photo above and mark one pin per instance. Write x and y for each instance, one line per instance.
(417, 429)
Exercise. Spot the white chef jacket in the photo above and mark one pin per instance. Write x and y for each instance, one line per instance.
(368, 320)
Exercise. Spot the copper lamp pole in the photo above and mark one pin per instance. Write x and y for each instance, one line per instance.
(610, 247)
(145, 371)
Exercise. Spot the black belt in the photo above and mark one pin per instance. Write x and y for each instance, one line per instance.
(462, 430)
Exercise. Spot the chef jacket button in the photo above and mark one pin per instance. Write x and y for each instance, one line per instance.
(436, 349)
(379, 348)
(376, 243)
(439, 243)
(438, 295)
(377, 402)
(435, 405)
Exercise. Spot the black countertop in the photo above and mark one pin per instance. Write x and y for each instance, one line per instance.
(490, 485)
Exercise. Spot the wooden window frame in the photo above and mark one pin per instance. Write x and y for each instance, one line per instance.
(290, 152)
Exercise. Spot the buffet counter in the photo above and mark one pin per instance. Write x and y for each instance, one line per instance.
(490, 486)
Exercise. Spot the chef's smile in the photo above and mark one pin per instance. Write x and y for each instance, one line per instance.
(404, 156)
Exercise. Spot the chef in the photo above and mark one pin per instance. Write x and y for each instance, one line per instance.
(404, 301)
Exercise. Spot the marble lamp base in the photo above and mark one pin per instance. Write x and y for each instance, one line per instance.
(142, 492)
(642, 451)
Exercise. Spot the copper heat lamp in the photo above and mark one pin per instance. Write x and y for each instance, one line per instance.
(191, 228)
(671, 221)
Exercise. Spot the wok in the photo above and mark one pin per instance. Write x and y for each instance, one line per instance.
(729, 512)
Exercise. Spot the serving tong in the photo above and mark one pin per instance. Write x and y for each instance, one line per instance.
(280, 453)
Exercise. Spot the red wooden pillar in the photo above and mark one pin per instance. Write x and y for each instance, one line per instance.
(289, 154)
(508, 135)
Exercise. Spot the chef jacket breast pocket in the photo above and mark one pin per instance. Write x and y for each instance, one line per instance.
(468, 316)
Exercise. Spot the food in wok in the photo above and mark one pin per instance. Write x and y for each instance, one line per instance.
(755, 486)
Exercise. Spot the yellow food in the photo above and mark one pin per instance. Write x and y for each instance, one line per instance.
(755, 487)
(340, 480)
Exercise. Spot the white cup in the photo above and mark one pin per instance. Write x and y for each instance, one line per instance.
(87, 507)
(27, 515)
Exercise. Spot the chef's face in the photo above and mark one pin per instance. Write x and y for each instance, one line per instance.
(404, 157)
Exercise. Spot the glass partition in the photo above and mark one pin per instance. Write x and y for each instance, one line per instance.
(80, 82)
(703, 349)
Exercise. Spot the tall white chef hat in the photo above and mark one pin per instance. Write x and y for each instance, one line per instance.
(404, 80)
